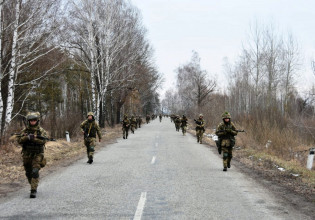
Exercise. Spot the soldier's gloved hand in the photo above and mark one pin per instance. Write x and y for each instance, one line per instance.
(31, 137)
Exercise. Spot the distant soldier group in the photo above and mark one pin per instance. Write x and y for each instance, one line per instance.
(133, 123)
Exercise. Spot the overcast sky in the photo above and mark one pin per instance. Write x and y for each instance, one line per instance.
(217, 28)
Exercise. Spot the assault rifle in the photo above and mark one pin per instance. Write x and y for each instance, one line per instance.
(37, 136)
(198, 122)
(233, 130)
(218, 142)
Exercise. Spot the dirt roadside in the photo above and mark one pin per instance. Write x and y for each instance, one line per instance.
(293, 190)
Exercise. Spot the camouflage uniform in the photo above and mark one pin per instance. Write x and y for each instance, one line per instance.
(90, 128)
(147, 119)
(33, 150)
(139, 121)
(177, 123)
(133, 124)
(200, 128)
(184, 124)
(125, 126)
(226, 133)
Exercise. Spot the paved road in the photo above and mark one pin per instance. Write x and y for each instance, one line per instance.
(156, 174)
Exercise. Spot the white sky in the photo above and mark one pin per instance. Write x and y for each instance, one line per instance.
(217, 28)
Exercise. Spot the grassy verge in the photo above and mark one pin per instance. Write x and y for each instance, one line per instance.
(289, 173)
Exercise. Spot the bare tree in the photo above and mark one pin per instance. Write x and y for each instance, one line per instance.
(194, 84)
(29, 28)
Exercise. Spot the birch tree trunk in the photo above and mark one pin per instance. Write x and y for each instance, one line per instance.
(1, 73)
(13, 67)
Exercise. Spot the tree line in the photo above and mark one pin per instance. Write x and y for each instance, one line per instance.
(261, 93)
(64, 59)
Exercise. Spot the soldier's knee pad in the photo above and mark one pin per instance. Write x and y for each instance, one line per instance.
(225, 155)
(91, 149)
(35, 173)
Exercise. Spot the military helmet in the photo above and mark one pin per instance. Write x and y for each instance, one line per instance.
(226, 115)
(90, 113)
(33, 116)
(200, 115)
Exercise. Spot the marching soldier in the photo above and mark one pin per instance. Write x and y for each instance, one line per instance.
(160, 116)
(177, 122)
(139, 121)
(147, 118)
(33, 139)
(184, 124)
(200, 128)
(133, 124)
(226, 133)
(90, 128)
(125, 126)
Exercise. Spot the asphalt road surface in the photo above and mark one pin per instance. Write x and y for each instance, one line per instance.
(156, 174)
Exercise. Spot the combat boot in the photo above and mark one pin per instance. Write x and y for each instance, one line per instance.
(33, 193)
(224, 169)
(90, 161)
(229, 165)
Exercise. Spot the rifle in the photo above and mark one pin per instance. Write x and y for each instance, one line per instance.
(37, 136)
(233, 130)
(198, 122)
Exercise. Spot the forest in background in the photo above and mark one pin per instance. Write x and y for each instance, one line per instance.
(66, 59)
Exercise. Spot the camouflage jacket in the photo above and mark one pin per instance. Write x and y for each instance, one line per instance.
(91, 128)
(177, 121)
(125, 123)
(184, 122)
(200, 124)
(32, 146)
(226, 130)
(133, 122)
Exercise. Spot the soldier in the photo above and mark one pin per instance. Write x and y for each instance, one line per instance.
(133, 124)
(226, 132)
(139, 121)
(184, 124)
(33, 139)
(125, 126)
(90, 128)
(200, 128)
(177, 122)
(160, 116)
(147, 118)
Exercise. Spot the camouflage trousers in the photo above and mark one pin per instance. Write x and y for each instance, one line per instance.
(177, 126)
(32, 164)
(125, 132)
(227, 152)
(90, 145)
(184, 128)
(199, 134)
(133, 127)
